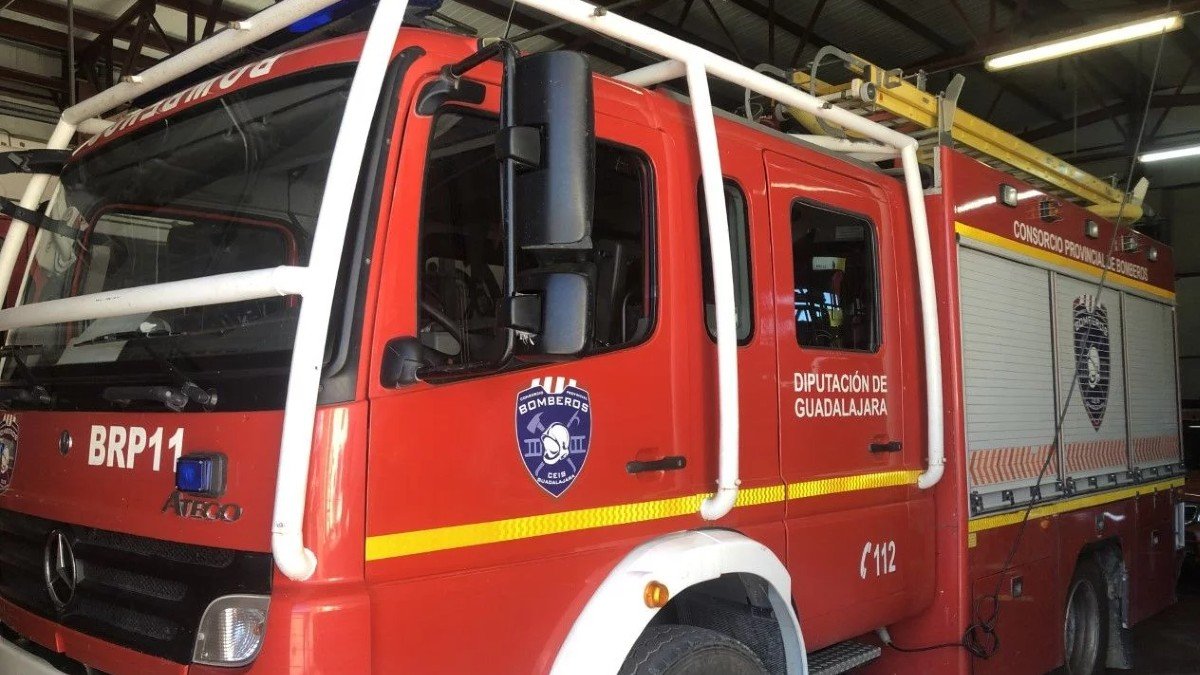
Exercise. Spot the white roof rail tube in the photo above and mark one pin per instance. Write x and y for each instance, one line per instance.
(59, 139)
(627, 31)
(295, 449)
(862, 149)
(655, 73)
(270, 19)
(79, 116)
(94, 126)
(212, 290)
(935, 415)
(720, 503)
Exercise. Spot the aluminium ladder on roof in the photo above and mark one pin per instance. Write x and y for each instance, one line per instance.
(935, 119)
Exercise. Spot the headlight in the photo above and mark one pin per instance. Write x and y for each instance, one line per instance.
(231, 630)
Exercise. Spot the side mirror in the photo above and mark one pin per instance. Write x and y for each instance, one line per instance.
(553, 139)
(554, 316)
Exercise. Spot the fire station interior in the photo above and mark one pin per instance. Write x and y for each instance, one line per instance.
(1068, 87)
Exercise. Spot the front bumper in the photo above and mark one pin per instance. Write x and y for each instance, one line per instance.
(76, 646)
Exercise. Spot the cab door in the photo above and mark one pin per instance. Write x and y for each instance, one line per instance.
(526, 485)
(847, 450)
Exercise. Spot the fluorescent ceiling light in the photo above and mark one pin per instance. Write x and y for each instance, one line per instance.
(1083, 42)
(1175, 153)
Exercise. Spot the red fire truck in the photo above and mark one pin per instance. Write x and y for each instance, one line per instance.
(399, 353)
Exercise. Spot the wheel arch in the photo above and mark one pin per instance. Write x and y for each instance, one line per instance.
(1109, 555)
(616, 614)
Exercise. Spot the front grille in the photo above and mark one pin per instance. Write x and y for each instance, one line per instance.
(141, 593)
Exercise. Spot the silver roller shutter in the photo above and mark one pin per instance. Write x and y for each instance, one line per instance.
(1091, 362)
(1008, 378)
(1153, 388)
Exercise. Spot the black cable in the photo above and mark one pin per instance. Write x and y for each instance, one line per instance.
(981, 639)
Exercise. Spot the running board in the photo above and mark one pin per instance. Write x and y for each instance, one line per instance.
(842, 657)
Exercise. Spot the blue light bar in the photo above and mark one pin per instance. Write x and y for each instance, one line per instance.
(201, 473)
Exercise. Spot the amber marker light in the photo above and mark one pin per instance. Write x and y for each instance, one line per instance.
(656, 595)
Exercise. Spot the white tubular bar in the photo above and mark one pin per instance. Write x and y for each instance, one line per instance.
(272, 18)
(17, 229)
(848, 146)
(720, 503)
(94, 126)
(655, 73)
(936, 453)
(214, 290)
(624, 30)
(295, 450)
(79, 116)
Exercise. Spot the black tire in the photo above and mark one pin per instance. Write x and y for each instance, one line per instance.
(1085, 621)
(688, 650)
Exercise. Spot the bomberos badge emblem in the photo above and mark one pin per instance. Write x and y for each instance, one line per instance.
(8, 450)
(554, 432)
(1092, 363)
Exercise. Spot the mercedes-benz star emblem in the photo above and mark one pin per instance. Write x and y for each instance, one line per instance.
(60, 570)
(64, 443)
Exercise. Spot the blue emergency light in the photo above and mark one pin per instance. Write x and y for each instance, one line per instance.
(201, 473)
(342, 8)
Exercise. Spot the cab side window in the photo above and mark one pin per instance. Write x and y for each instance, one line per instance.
(739, 245)
(462, 244)
(836, 296)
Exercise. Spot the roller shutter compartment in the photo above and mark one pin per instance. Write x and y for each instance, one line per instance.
(1008, 366)
(1091, 382)
(1153, 388)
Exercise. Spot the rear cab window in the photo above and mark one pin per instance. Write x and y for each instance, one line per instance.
(836, 294)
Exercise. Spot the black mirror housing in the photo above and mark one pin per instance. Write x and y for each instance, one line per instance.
(554, 196)
(565, 304)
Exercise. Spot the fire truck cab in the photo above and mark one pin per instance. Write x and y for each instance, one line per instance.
(399, 353)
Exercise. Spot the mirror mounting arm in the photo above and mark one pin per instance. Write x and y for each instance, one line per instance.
(508, 53)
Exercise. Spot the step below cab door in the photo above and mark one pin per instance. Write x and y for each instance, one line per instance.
(860, 536)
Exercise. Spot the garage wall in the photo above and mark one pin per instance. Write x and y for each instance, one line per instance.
(1181, 205)
(18, 129)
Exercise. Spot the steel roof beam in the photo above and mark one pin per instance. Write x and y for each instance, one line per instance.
(92, 23)
(1157, 102)
(27, 33)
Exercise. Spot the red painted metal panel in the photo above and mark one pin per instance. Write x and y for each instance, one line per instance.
(976, 203)
(838, 591)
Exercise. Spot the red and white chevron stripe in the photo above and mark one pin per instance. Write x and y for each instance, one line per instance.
(1092, 456)
(1001, 465)
(1156, 450)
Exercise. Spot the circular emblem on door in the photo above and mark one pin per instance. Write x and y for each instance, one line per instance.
(64, 442)
(60, 570)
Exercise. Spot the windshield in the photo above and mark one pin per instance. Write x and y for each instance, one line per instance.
(232, 185)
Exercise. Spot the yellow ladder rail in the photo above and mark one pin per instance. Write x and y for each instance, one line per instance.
(879, 91)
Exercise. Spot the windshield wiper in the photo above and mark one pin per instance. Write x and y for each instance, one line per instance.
(175, 398)
(124, 336)
(36, 392)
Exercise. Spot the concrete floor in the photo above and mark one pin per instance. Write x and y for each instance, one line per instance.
(1170, 642)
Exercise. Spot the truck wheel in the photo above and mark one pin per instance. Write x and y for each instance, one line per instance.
(688, 650)
(1085, 626)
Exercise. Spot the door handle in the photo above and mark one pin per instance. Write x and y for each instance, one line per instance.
(672, 463)
(890, 446)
